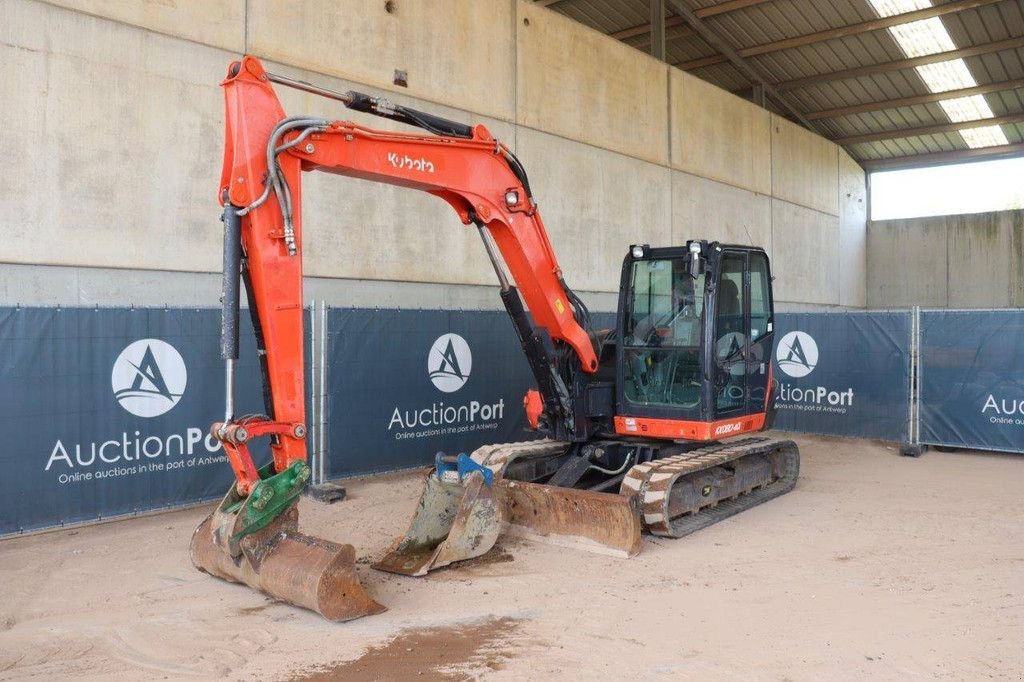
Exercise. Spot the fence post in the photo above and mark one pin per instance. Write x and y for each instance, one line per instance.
(913, 447)
(322, 439)
(319, 488)
(313, 407)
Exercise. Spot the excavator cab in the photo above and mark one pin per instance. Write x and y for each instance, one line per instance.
(694, 336)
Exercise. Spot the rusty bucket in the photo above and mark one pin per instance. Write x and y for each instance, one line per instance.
(284, 564)
(454, 521)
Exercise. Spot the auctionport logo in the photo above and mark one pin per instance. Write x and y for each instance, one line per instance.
(797, 354)
(449, 363)
(149, 377)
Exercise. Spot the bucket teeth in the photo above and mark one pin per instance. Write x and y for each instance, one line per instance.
(287, 565)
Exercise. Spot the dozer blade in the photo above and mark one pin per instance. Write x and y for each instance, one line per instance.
(454, 521)
(285, 564)
(598, 522)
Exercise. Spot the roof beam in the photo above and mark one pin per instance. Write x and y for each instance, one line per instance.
(941, 158)
(728, 6)
(643, 29)
(901, 64)
(658, 29)
(546, 3)
(915, 100)
(719, 43)
(714, 10)
(938, 129)
(841, 32)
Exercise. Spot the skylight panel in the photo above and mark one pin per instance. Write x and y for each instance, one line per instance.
(989, 136)
(966, 108)
(951, 75)
(929, 36)
(919, 38)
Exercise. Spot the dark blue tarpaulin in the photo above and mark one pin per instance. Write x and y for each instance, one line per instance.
(107, 411)
(843, 373)
(971, 376)
(405, 384)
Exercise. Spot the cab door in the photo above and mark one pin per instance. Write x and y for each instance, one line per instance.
(742, 342)
(730, 349)
(762, 325)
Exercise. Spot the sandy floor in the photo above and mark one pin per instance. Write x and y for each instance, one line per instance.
(875, 566)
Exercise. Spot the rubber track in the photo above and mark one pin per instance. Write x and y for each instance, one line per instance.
(653, 481)
(498, 456)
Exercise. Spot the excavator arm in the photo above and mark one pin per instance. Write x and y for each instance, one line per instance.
(266, 153)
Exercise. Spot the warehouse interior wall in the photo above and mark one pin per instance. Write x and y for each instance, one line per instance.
(975, 260)
(113, 136)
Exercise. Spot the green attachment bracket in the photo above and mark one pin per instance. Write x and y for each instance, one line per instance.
(274, 494)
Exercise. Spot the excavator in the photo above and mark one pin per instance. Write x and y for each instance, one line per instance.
(647, 426)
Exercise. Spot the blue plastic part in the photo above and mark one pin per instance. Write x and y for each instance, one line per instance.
(463, 466)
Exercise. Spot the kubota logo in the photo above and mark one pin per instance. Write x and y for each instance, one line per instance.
(149, 377)
(797, 354)
(406, 161)
(449, 363)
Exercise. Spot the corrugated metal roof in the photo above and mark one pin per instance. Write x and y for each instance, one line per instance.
(760, 23)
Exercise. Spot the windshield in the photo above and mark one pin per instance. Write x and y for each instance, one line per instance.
(662, 334)
(666, 306)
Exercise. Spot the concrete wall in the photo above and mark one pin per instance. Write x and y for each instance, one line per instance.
(959, 261)
(113, 134)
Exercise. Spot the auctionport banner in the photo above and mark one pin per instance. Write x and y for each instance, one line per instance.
(107, 412)
(843, 374)
(405, 384)
(971, 375)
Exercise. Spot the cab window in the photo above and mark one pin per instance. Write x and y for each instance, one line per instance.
(663, 334)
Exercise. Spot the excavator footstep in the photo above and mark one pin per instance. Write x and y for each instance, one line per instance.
(290, 566)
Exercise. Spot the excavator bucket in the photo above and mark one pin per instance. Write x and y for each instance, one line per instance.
(281, 562)
(454, 521)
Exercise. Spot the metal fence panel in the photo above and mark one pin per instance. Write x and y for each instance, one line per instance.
(404, 384)
(844, 373)
(971, 377)
(106, 412)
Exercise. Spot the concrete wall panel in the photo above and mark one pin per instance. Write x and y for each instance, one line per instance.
(853, 261)
(595, 203)
(367, 230)
(454, 52)
(958, 261)
(718, 135)
(113, 122)
(117, 160)
(806, 254)
(805, 167)
(705, 209)
(980, 252)
(907, 263)
(219, 23)
(576, 82)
